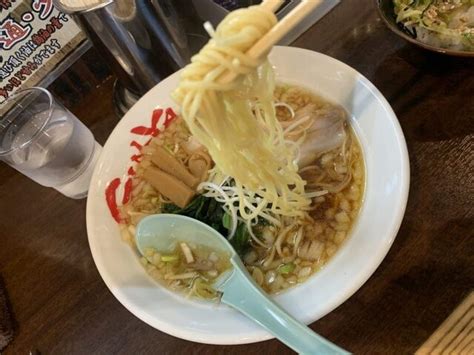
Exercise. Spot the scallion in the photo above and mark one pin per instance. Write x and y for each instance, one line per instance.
(286, 268)
(227, 221)
(169, 258)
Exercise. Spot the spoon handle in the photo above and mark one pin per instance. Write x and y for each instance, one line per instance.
(248, 298)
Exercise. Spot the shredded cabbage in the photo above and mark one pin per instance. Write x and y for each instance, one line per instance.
(442, 23)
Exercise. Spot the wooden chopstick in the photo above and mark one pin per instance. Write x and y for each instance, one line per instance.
(284, 26)
(271, 5)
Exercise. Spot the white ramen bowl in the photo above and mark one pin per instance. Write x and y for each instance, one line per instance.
(386, 192)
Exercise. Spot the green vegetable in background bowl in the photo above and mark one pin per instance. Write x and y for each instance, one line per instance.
(439, 23)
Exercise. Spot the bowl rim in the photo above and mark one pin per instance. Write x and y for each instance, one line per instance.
(414, 41)
(337, 299)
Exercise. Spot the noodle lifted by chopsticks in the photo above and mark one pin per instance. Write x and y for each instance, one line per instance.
(236, 120)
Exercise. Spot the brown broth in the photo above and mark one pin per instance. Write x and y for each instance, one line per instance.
(173, 270)
(332, 217)
(323, 233)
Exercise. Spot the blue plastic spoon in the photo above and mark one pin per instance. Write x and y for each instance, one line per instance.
(163, 231)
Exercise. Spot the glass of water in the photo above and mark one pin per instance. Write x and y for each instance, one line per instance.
(44, 141)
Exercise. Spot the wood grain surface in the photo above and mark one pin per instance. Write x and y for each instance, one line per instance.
(62, 306)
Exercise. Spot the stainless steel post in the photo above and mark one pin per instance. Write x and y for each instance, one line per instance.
(143, 41)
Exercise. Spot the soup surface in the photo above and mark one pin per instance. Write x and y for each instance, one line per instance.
(280, 254)
(188, 267)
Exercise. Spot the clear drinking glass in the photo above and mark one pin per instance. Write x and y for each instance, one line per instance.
(44, 141)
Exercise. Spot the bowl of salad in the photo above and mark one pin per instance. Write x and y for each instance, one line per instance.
(444, 26)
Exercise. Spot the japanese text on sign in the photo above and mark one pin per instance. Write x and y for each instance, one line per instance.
(34, 37)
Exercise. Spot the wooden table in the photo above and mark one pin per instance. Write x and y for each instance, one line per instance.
(62, 306)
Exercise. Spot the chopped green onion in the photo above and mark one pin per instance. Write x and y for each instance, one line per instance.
(227, 221)
(286, 268)
(168, 148)
(168, 258)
